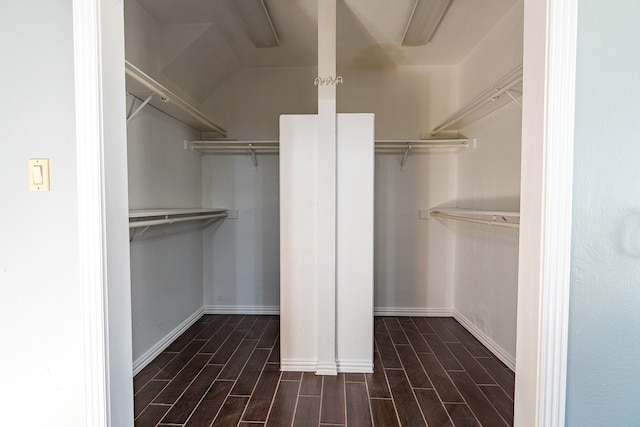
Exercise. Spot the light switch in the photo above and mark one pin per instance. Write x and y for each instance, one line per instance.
(39, 174)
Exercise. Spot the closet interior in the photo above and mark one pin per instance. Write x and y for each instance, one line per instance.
(204, 104)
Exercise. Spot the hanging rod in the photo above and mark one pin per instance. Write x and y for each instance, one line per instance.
(487, 102)
(139, 85)
(497, 218)
(147, 218)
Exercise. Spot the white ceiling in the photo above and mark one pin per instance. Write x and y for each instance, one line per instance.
(369, 34)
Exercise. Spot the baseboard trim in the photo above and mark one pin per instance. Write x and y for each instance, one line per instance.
(298, 365)
(355, 366)
(412, 311)
(154, 351)
(242, 309)
(498, 351)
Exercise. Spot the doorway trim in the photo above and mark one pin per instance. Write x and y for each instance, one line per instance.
(550, 36)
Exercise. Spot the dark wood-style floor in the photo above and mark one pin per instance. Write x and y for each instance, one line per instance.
(224, 371)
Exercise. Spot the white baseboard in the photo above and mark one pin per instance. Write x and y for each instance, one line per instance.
(154, 351)
(355, 366)
(242, 309)
(298, 365)
(498, 351)
(412, 311)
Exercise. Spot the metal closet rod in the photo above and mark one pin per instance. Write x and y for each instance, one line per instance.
(492, 222)
(169, 220)
(167, 96)
(401, 144)
(491, 95)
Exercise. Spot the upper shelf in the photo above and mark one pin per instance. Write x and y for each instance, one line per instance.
(497, 218)
(145, 88)
(507, 89)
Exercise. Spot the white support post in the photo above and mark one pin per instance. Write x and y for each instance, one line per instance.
(326, 364)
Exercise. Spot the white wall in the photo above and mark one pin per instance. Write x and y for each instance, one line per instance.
(166, 262)
(486, 261)
(241, 259)
(41, 305)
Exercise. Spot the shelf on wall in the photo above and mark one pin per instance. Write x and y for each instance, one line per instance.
(506, 90)
(151, 92)
(139, 218)
(509, 219)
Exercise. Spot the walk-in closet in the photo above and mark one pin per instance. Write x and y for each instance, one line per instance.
(211, 85)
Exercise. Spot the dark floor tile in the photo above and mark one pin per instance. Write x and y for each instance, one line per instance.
(188, 401)
(258, 407)
(470, 364)
(439, 378)
(354, 378)
(472, 344)
(250, 424)
(387, 352)
(151, 415)
(461, 415)
(172, 392)
(218, 339)
(379, 326)
(442, 352)
(249, 376)
(357, 405)
(247, 323)
(231, 411)
(422, 325)
(434, 412)
(311, 384)
(415, 337)
(186, 337)
(395, 331)
(210, 404)
(377, 381)
(332, 409)
(284, 404)
(500, 401)
(441, 330)
(147, 394)
(237, 361)
(172, 368)
(478, 403)
(383, 413)
(213, 327)
(228, 348)
(270, 334)
(406, 405)
(412, 367)
(307, 412)
(151, 370)
(291, 376)
(500, 373)
(274, 357)
(258, 328)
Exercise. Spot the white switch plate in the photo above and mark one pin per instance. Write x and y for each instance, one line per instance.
(39, 175)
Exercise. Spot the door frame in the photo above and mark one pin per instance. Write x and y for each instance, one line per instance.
(545, 234)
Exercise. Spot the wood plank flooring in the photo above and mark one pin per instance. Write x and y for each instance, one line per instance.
(224, 371)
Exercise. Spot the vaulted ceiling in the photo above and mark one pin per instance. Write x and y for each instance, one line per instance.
(206, 39)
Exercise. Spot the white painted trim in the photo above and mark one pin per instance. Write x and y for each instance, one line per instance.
(298, 365)
(545, 231)
(486, 340)
(91, 219)
(165, 342)
(242, 309)
(412, 311)
(558, 187)
(355, 366)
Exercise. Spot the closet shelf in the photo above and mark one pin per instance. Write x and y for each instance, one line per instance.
(496, 218)
(151, 92)
(382, 146)
(507, 89)
(150, 217)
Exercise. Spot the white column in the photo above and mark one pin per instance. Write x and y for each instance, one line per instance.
(326, 253)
